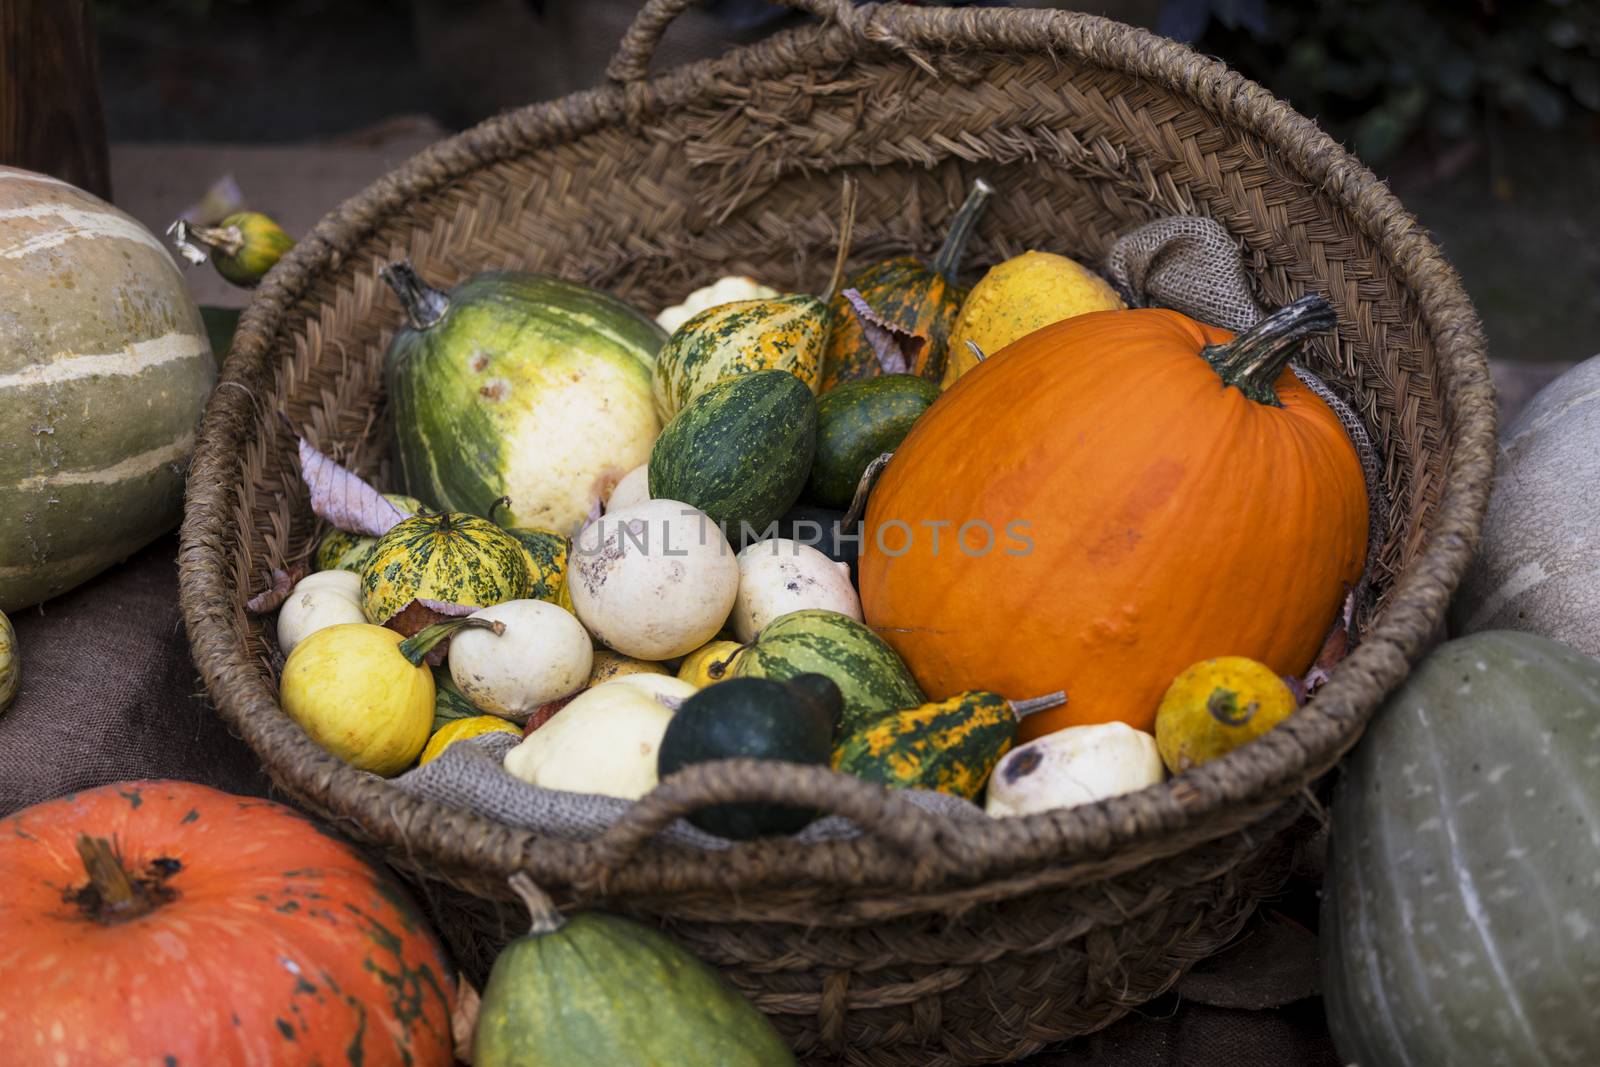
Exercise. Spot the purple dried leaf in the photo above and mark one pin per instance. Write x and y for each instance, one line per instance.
(272, 598)
(447, 609)
(896, 347)
(342, 498)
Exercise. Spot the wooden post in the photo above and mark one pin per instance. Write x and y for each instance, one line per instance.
(51, 119)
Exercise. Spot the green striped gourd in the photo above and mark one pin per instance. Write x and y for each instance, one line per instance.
(459, 559)
(856, 423)
(740, 451)
(784, 333)
(449, 702)
(520, 386)
(340, 550)
(950, 746)
(871, 678)
(10, 663)
(104, 369)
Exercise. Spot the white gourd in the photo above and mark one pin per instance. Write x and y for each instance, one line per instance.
(320, 600)
(1078, 765)
(779, 575)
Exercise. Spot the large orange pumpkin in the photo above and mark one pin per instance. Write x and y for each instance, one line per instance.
(168, 923)
(1143, 508)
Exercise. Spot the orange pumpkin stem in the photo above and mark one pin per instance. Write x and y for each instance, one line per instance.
(416, 647)
(423, 304)
(1252, 361)
(112, 896)
(948, 261)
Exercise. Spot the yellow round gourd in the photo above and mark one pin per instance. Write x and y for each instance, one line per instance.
(461, 729)
(608, 665)
(352, 689)
(697, 665)
(1217, 705)
(1019, 296)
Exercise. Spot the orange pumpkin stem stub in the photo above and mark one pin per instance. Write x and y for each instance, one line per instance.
(112, 895)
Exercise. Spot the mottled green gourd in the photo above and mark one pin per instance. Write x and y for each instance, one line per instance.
(784, 333)
(446, 556)
(856, 423)
(872, 679)
(740, 452)
(1458, 916)
(519, 386)
(344, 551)
(449, 702)
(597, 989)
(243, 246)
(950, 746)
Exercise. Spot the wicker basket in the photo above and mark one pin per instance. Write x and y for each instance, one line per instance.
(923, 942)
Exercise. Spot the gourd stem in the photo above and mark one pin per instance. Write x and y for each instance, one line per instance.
(1023, 708)
(546, 919)
(228, 240)
(111, 895)
(718, 667)
(847, 229)
(977, 353)
(948, 261)
(1252, 361)
(869, 478)
(416, 647)
(1223, 704)
(503, 502)
(424, 305)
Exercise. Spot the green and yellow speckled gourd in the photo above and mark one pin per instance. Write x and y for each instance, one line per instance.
(782, 333)
(600, 989)
(921, 299)
(948, 745)
(340, 550)
(459, 559)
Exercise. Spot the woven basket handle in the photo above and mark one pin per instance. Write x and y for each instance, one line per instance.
(880, 813)
(638, 47)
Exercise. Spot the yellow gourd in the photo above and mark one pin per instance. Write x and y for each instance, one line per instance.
(364, 693)
(461, 729)
(1217, 705)
(1019, 296)
(711, 662)
(608, 665)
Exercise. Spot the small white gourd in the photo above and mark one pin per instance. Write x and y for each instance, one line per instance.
(1078, 765)
(543, 654)
(634, 488)
(320, 600)
(722, 291)
(605, 741)
(654, 581)
(779, 575)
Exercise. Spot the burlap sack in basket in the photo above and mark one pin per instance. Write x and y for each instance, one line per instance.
(1186, 263)
(924, 939)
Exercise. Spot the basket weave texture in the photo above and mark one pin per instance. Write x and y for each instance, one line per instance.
(924, 941)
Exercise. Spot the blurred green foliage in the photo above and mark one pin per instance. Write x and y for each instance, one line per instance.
(1378, 72)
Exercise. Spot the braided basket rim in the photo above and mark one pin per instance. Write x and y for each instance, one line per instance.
(1204, 803)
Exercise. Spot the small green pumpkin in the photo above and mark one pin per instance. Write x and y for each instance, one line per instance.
(871, 678)
(856, 423)
(600, 989)
(340, 550)
(784, 333)
(447, 556)
(950, 746)
(740, 452)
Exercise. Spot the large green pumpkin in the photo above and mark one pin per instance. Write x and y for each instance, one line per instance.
(104, 369)
(595, 990)
(1458, 922)
(520, 386)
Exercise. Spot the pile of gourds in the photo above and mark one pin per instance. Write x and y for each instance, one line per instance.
(633, 544)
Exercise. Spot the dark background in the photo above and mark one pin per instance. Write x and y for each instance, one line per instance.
(1483, 114)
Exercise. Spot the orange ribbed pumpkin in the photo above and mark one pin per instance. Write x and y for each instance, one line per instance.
(1149, 509)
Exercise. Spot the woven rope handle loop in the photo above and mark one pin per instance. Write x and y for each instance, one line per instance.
(880, 813)
(639, 43)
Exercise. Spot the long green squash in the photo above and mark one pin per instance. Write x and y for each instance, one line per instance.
(1458, 918)
(104, 368)
(520, 386)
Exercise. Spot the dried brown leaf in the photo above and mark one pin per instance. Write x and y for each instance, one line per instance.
(342, 498)
(422, 613)
(282, 583)
(896, 347)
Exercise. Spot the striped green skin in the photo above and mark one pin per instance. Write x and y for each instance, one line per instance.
(459, 559)
(856, 423)
(529, 387)
(449, 702)
(740, 452)
(1458, 918)
(547, 561)
(871, 678)
(10, 663)
(105, 366)
(951, 746)
(604, 990)
(786, 333)
(343, 551)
